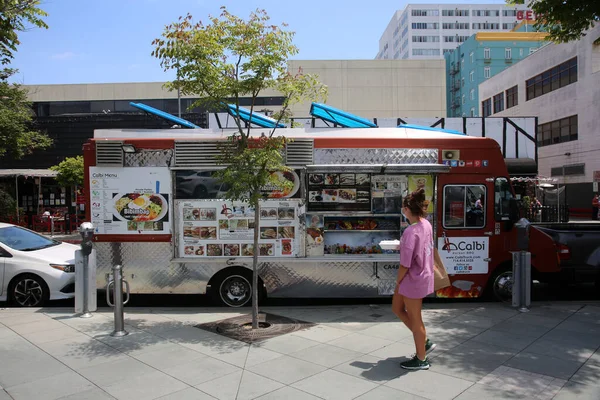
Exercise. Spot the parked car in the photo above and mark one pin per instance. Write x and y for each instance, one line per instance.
(34, 268)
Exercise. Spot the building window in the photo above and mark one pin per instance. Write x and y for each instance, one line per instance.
(486, 72)
(567, 170)
(425, 25)
(472, 94)
(462, 13)
(521, 52)
(498, 103)
(425, 52)
(487, 53)
(462, 82)
(508, 26)
(488, 26)
(472, 76)
(509, 13)
(425, 39)
(512, 96)
(446, 51)
(473, 112)
(464, 100)
(486, 107)
(562, 75)
(559, 131)
(425, 13)
(508, 53)
(472, 57)
(447, 13)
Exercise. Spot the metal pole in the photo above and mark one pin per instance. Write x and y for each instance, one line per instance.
(118, 302)
(17, 198)
(525, 284)
(87, 230)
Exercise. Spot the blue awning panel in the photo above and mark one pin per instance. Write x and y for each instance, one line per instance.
(255, 119)
(429, 128)
(339, 117)
(164, 115)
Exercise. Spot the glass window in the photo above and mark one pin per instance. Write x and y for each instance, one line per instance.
(472, 76)
(559, 131)
(512, 96)
(486, 107)
(473, 112)
(472, 57)
(552, 79)
(502, 196)
(464, 206)
(472, 94)
(508, 53)
(24, 240)
(486, 53)
(486, 72)
(498, 103)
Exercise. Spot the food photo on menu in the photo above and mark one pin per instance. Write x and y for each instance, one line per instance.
(347, 180)
(332, 179)
(268, 213)
(247, 250)
(286, 247)
(268, 233)
(231, 250)
(316, 179)
(214, 250)
(208, 214)
(208, 233)
(362, 179)
(286, 213)
(286, 232)
(266, 249)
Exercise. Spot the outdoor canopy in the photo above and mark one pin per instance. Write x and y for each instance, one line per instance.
(29, 173)
(164, 115)
(339, 117)
(253, 118)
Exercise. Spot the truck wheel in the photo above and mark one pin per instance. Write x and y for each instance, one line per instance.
(233, 289)
(500, 286)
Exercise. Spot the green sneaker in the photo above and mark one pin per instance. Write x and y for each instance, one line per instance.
(415, 364)
(429, 346)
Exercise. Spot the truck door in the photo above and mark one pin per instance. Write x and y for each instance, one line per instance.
(464, 228)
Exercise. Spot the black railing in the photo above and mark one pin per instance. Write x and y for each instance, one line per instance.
(546, 214)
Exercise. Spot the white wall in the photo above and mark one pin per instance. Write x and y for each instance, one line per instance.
(581, 98)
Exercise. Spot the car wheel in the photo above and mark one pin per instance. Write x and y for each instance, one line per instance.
(28, 290)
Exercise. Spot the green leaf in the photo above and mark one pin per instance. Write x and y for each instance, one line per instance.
(70, 171)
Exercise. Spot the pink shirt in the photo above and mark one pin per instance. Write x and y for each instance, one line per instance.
(416, 254)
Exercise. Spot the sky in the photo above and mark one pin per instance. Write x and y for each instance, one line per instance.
(110, 40)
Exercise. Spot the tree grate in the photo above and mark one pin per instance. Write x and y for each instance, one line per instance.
(270, 326)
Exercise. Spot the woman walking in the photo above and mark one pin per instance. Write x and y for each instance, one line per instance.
(415, 277)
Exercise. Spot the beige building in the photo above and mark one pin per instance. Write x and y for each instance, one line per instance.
(369, 88)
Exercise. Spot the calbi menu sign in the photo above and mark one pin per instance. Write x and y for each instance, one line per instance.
(130, 200)
(464, 255)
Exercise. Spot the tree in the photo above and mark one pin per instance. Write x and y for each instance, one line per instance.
(70, 171)
(230, 58)
(17, 135)
(564, 20)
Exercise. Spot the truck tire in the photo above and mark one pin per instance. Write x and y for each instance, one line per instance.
(233, 288)
(500, 286)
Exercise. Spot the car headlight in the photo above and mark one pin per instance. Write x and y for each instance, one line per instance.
(68, 268)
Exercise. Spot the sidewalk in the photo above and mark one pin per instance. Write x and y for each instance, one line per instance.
(485, 351)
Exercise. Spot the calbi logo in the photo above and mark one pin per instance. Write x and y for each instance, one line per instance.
(463, 246)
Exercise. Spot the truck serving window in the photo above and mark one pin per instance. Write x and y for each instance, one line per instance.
(464, 206)
(503, 195)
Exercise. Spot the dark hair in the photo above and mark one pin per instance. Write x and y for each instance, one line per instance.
(415, 202)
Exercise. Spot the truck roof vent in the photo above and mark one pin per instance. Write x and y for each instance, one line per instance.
(192, 154)
(109, 153)
(299, 152)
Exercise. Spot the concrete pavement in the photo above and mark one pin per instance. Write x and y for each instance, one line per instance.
(485, 351)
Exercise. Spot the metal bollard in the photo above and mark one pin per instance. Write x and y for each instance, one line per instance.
(117, 283)
(521, 296)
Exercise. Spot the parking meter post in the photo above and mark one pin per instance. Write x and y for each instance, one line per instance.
(521, 297)
(51, 226)
(87, 234)
(118, 303)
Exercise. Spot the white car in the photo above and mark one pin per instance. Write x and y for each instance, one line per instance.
(34, 268)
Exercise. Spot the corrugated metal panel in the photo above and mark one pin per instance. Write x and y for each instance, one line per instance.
(192, 154)
(109, 154)
(299, 152)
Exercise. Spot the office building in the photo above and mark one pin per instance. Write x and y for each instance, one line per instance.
(428, 31)
(560, 84)
(482, 56)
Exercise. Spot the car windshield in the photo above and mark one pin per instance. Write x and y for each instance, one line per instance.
(24, 240)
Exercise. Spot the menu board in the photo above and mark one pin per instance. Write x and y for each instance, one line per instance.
(339, 192)
(130, 201)
(226, 229)
(387, 193)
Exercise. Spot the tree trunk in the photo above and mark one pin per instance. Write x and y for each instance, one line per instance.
(255, 267)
